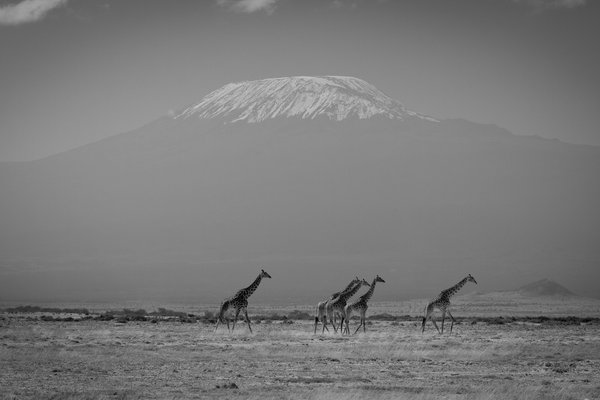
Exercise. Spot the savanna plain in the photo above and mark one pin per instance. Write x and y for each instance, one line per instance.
(69, 356)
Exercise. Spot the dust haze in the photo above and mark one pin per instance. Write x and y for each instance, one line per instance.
(192, 211)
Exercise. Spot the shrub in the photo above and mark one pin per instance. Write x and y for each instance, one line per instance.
(382, 317)
(299, 315)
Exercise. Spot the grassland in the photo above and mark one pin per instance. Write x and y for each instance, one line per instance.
(92, 359)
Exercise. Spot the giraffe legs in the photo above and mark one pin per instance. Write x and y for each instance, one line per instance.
(223, 319)
(363, 322)
(443, 318)
(329, 314)
(221, 316)
(453, 321)
(342, 319)
(247, 319)
(325, 324)
(237, 313)
(321, 315)
(363, 319)
(425, 318)
(219, 321)
(444, 311)
(428, 315)
(318, 316)
(347, 316)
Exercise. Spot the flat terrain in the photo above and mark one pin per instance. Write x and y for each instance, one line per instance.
(92, 359)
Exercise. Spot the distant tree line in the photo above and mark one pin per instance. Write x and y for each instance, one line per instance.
(55, 310)
(163, 314)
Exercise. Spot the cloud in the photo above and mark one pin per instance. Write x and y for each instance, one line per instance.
(249, 6)
(338, 4)
(27, 11)
(541, 5)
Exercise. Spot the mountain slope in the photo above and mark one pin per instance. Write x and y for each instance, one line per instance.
(183, 206)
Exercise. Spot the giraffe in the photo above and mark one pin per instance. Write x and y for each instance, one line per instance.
(239, 302)
(336, 306)
(442, 302)
(361, 306)
(321, 314)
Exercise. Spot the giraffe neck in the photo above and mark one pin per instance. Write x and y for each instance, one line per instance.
(337, 294)
(250, 289)
(452, 291)
(365, 297)
(349, 293)
(350, 285)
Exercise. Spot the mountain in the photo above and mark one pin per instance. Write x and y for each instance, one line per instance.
(317, 180)
(333, 97)
(545, 287)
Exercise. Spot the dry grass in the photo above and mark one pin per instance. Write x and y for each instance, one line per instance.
(108, 360)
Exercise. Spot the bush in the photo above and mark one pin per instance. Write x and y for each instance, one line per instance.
(128, 312)
(299, 315)
(164, 312)
(382, 317)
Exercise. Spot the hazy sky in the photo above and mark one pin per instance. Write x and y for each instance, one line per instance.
(75, 71)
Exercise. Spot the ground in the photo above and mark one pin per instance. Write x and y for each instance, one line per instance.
(172, 360)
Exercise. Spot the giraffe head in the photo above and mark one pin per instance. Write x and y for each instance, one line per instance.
(263, 274)
(379, 279)
(364, 282)
(471, 279)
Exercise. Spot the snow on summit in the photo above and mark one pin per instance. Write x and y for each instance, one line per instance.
(333, 97)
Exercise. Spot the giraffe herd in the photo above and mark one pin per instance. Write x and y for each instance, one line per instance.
(336, 306)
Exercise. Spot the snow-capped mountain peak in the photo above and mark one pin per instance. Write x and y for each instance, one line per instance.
(332, 97)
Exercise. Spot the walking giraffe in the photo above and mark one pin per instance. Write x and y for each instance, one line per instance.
(239, 302)
(442, 302)
(361, 306)
(336, 306)
(321, 312)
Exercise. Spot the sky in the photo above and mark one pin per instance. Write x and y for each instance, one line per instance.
(76, 71)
